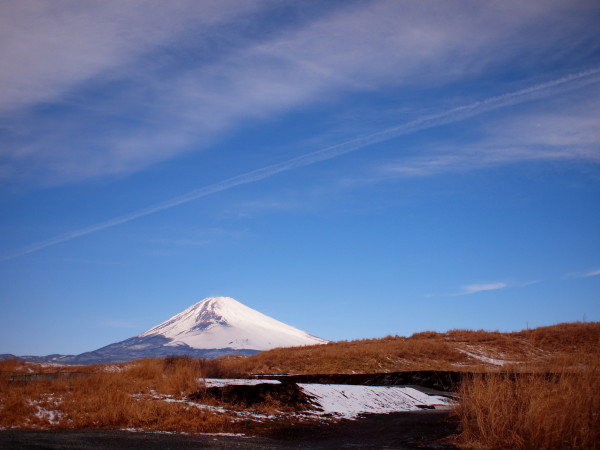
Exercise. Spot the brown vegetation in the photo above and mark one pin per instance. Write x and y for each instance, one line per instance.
(152, 394)
(536, 388)
(531, 389)
(124, 396)
(464, 350)
(536, 410)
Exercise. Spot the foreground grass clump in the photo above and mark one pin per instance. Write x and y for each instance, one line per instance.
(537, 410)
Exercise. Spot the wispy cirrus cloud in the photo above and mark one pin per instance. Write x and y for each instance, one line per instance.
(584, 274)
(48, 49)
(493, 286)
(121, 104)
(445, 117)
(569, 133)
(475, 288)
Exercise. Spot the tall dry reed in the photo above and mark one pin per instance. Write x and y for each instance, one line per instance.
(558, 410)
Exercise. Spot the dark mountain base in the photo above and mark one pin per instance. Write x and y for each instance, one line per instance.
(136, 348)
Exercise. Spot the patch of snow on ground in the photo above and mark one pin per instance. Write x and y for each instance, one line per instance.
(236, 415)
(142, 430)
(350, 401)
(225, 434)
(335, 400)
(53, 417)
(221, 382)
(495, 362)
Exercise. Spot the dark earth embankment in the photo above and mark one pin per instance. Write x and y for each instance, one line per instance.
(285, 393)
(439, 380)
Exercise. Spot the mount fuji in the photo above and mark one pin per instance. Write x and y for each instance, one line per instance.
(213, 327)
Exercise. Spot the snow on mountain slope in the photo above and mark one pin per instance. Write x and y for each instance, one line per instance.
(222, 322)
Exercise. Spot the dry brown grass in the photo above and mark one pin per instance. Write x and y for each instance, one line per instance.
(151, 394)
(549, 398)
(497, 412)
(125, 397)
(455, 350)
(363, 356)
(522, 411)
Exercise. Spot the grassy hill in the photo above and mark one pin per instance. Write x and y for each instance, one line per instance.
(543, 348)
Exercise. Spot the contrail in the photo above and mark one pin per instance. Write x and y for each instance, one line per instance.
(570, 82)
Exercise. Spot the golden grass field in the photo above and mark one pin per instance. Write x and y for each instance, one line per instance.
(535, 388)
(536, 349)
(119, 396)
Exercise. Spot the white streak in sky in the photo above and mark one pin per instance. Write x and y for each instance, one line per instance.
(475, 288)
(559, 85)
(589, 273)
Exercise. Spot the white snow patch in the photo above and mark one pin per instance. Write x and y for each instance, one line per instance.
(237, 415)
(53, 417)
(220, 382)
(142, 430)
(349, 401)
(225, 434)
(480, 357)
(43, 413)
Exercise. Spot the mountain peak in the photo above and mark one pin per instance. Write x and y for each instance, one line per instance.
(217, 300)
(223, 322)
(213, 327)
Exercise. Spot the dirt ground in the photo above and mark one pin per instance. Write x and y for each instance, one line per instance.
(420, 429)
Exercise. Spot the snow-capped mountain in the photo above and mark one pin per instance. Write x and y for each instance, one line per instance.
(222, 322)
(213, 327)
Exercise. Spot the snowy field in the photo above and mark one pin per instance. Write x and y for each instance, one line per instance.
(350, 401)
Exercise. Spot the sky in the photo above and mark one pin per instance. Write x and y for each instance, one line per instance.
(355, 169)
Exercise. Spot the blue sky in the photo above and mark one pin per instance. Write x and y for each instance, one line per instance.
(355, 169)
